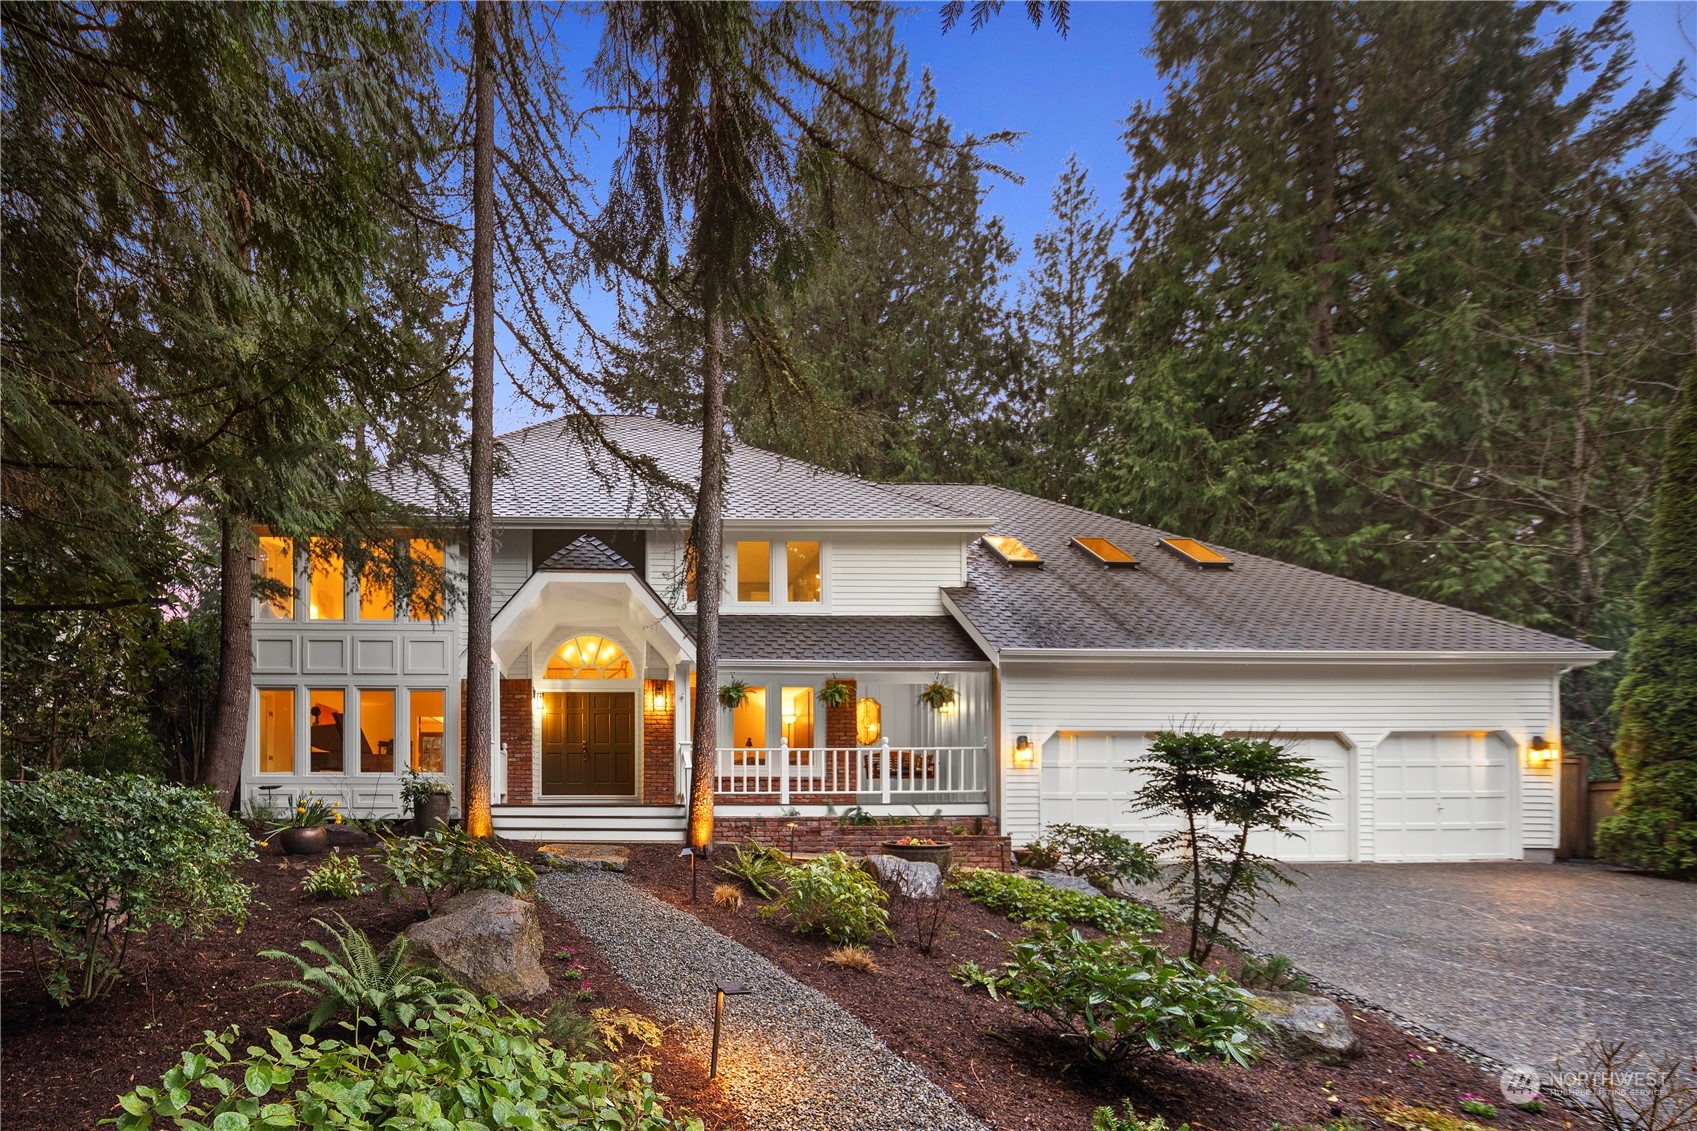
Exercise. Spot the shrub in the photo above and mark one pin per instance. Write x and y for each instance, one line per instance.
(90, 861)
(339, 877)
(1628, 1089)
(1274, 972)
(356, 979)
(1478, 1106)
(1025, 900)
(1415, 1117)
(1100, 856)
(450, 860)
(727, 897)
(831, 896)
(852, 958)
(469, 1066)
(1117, 997)
(757, 866)
(1104, 1119)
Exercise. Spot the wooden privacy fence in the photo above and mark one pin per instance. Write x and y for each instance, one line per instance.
(1584, 804)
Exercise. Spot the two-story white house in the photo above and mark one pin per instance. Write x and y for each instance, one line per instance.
(1065, 639)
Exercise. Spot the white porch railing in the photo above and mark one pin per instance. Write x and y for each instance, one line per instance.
(885, 772)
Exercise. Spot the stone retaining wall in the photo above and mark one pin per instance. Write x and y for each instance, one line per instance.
(980, 848)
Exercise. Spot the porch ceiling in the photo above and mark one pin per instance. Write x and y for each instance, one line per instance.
(555, 603)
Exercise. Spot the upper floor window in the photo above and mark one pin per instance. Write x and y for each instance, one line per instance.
(754, 572)
(277, 563)
(376, 593)
(588, 657)
(802, 559)
(427, 567)
(328, 588)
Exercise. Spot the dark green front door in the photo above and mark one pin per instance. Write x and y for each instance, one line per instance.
(589, 743)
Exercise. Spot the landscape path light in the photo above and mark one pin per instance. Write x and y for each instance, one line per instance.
(723, 989)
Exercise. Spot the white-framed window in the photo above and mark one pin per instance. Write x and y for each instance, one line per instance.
(276, 730)
(777, 573)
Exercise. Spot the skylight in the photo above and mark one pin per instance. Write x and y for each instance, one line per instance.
(1012, 550)
(1106, 552)
(1197, 554)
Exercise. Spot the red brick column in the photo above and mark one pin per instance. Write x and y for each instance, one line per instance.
(840, 731)
(516, 730)
(659, 745)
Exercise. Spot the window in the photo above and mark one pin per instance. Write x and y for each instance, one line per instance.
(427, 579)
(428, 717)
(277, 563)
(868, 721)
(689, 573)
(329, 586)
(1196, 553)
(798, 717)
(277, 730)
(588, 657)
(754, 571)
(376, 593)
(748, 727)
(803, 562)
(328, 740)
(376, 732)
(1012, 550)
(1106, 553)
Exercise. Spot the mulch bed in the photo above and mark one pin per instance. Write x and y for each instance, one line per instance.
(1007, 1069)
(65, 1068)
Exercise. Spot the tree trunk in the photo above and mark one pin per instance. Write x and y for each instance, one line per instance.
(228, 742)
(709, 568)
(1323, 177)
(481, 536)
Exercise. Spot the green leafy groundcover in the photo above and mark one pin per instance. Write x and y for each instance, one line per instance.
(1032, 901)
(464, 1068)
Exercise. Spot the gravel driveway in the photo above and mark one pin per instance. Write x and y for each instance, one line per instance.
(791, 1058)
(1525, 962)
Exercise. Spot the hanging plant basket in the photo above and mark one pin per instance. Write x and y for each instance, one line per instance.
(937, 695)
(836, 693)
(732, 694)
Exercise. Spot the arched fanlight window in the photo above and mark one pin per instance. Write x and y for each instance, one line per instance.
(868, 721)
(588, 657)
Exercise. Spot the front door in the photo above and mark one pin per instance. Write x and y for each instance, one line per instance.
(589, 743)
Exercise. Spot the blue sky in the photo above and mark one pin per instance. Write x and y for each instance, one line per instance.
(1070, 95)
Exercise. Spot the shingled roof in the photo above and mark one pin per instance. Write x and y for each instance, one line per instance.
(586, 552)
(844, 640)
(1258, 605)
(550, 471)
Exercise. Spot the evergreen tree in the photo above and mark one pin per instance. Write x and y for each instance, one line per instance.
(1656, 746)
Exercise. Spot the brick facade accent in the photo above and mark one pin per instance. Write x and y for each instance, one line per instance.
(839, 722)
(516, 732)
(659, 745)
(981, 847)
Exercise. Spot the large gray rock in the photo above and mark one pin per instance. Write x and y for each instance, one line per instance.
(1063, 880)
(579, 857)
(911, 878)
(488, 942)
(1306, 1027)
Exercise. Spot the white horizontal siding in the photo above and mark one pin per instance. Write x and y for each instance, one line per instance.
(665, 570)
(892, 576)
(510, 567)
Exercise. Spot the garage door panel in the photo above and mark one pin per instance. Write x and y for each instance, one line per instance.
(1441, 796)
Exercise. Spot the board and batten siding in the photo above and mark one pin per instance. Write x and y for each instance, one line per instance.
(1361, 703)
(893, 576)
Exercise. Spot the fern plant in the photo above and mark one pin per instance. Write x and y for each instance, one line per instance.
(757, 866)
(355, 977)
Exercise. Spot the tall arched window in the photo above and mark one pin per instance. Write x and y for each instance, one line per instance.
(588, 657)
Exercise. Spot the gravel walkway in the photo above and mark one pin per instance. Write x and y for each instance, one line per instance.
(790, 1057)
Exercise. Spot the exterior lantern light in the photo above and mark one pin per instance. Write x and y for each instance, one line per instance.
(657, 698)
(1023, 752)
(721, 991)
(1539, 751)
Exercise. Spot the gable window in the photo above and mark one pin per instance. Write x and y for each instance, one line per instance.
(588, 657)
(376, 594)
(277, 563)
(329, 709)
(428, 717)
(328, 589)
(376, 732)
(276, 730)
(802, 560)
(754, 571)
(426, 603)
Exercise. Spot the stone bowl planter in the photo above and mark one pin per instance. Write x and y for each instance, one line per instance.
(304, 841)
(942, 855)
(429, 813)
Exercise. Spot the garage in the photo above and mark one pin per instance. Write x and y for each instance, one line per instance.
(1442, 796)
(1087, 779)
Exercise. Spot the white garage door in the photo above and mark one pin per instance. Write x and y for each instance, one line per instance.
(1441, 797)
(1087, 780)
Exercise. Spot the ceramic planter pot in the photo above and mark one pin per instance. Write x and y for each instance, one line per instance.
(308, 841)
(942, 855)
(429, 812)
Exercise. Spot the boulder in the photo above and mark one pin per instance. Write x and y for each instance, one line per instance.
(1306, 1027)
(910, 878)
(583, 857)
(488, 942)
(1063, 880)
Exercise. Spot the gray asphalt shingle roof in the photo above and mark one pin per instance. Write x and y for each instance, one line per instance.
(586, 552)
(1258, 604)
(844, 640)
(549, 472)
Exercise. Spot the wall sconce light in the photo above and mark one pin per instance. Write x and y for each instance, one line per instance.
(1022, 751)
(657, 698)
(536, 703)
(722, 991)
(1539, 751)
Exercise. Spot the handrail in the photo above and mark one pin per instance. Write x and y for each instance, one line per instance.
(891, 772)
